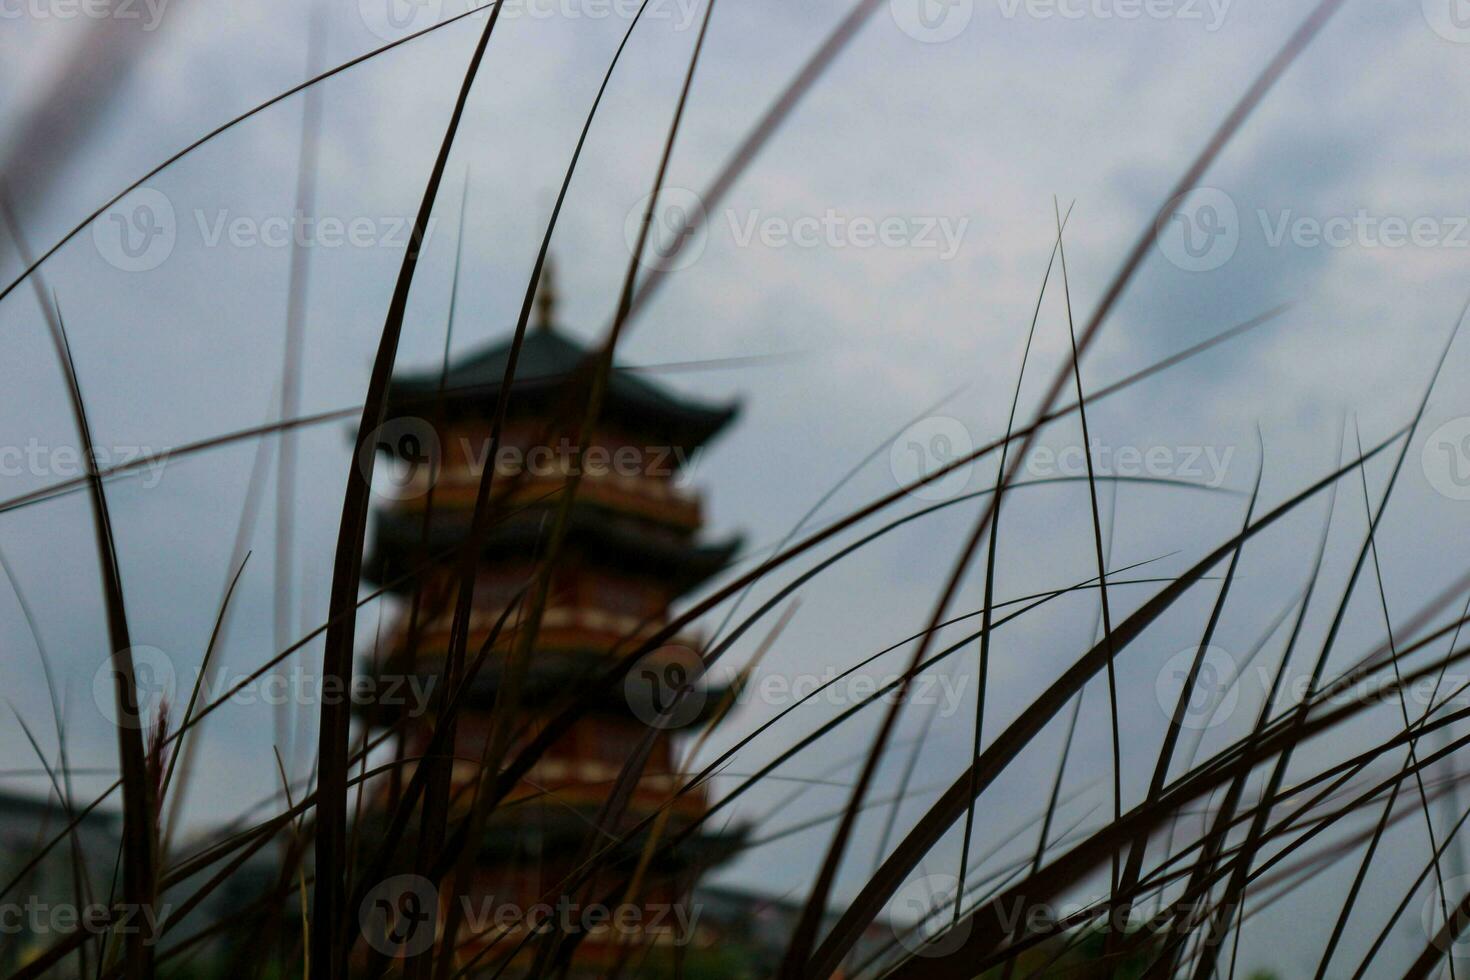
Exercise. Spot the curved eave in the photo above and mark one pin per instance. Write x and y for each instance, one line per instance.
(551, 681)
(548, 359)
(513, 834)
(685, 424)
(557, 828)
(683, 564)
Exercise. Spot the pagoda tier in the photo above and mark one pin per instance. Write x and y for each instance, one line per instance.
(548, 357)
(595, 536)
(575, 773)
(557, 678)
(530, 831)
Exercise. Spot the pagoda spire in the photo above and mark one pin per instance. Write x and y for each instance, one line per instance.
(546, 295)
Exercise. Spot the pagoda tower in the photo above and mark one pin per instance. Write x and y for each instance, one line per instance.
(632, 548)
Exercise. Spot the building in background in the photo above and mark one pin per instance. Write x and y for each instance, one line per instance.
(631, 549)
(47, 897)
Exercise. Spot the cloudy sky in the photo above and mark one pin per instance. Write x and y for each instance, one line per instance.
(950, 128)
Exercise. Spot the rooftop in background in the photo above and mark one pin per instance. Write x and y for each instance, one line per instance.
(548, 357)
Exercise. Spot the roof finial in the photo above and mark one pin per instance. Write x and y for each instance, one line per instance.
(546, 295)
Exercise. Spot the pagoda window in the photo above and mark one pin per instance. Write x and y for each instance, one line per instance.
(625, 596)
(496, 588)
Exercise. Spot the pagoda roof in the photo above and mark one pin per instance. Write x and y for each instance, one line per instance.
(681, 561)
(521, 829)
(548, 358)
(551, 678)
(561, 826)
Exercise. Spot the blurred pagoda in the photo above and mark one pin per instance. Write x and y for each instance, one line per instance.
(632, 549)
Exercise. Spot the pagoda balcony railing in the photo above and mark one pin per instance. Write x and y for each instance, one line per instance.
(612, 625)
(565, 777)
(654, 497)
(556, 776)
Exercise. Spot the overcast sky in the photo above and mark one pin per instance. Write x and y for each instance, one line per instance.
(891, 239)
